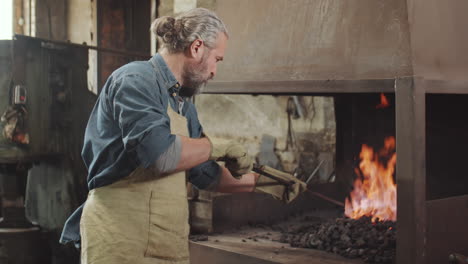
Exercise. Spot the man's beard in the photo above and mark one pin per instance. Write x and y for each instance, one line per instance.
(193, 77)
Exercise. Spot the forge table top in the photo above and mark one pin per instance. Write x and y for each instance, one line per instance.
(259, 246)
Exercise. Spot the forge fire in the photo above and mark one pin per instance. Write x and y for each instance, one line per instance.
(374, 193)
(369, 232)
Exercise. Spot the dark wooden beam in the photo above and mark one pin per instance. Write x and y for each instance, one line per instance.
(411, 172)
(121, 25)
(301, 87)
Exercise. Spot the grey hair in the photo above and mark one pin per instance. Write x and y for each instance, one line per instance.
(178, 33)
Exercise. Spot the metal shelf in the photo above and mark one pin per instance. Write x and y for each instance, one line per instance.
(330, 87)
(327, 87)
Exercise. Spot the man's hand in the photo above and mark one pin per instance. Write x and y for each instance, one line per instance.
(238, 162)
(277, 190)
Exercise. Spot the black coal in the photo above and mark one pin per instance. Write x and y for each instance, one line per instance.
(373, 242)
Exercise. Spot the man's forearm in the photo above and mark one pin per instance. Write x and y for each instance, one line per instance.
(194, 151)
(229, 184)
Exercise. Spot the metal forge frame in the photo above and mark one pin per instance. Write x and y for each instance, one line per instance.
(420, 222)
(415, 49)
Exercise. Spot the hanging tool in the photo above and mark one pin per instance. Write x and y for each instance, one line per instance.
(314, 172)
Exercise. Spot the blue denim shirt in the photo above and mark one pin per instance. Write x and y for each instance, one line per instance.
(129, 127)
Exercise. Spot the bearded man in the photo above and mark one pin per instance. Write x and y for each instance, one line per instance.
(142, 137)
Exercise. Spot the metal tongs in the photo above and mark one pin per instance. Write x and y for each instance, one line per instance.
(263, 170)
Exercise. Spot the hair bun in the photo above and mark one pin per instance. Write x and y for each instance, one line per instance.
(164, 25)
(176, 34)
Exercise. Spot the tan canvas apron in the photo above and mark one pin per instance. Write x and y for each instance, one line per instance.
(142, 218)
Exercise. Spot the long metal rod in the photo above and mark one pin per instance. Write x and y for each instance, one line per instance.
(314, 172)
(326, 198)
(99, 49)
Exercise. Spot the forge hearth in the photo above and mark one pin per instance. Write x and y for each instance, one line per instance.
(366, 159)
(322, 236)
(264, 243)
(372, 242)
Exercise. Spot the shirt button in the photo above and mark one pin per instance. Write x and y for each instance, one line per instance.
(176, 85)
(174, 94)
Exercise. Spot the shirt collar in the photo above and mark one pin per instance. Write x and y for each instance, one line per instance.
(168, 78)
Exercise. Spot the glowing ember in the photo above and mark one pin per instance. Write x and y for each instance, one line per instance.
(374, 193)
(383, 102)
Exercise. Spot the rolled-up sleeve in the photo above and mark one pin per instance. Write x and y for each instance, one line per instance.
(207, 175)
(142, 118)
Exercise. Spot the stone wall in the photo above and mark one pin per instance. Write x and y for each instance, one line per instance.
(246, 118)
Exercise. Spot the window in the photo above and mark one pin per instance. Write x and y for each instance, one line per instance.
(6, 19)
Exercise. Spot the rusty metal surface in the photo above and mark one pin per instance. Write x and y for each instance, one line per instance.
(411, 173)
(301, 87)
(57, 97)
(447, 231)
(315, 40)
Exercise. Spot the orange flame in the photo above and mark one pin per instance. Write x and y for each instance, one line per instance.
(383, 102)
(374, 192)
